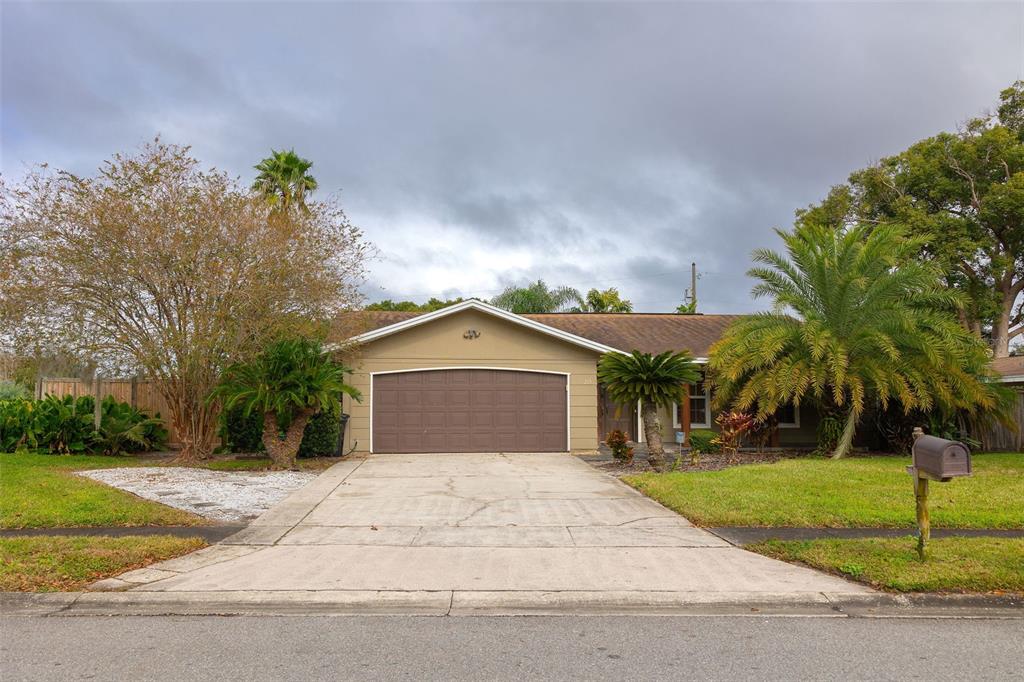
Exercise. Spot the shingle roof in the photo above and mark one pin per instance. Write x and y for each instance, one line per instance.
(647, 332)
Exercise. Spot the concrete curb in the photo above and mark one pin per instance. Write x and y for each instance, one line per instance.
(469, 603)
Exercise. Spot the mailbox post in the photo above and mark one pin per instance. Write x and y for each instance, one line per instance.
(934, 459)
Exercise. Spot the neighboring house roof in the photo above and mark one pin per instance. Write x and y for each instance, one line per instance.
(647, 332)
(1011, 369)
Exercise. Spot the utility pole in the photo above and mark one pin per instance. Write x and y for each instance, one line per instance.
(693, 286)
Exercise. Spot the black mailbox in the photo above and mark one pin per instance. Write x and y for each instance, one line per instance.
(941, 458)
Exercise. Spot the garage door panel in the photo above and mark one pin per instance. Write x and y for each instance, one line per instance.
(469, 410)
(435, 419)
(457, 398)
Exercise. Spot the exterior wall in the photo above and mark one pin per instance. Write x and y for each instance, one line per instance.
(803, 436)
(501, 344)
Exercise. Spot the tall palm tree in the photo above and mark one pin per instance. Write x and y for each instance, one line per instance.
(651, 380)
(289, 383)
(537, 297)
(856, 318)
(284, 179)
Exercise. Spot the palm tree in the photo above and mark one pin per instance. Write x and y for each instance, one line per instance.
(289, 383)
(856, 318)
(607, 301)
(537, 298)
(651, 380)
(284, 179)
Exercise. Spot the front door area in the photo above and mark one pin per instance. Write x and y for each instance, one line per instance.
(611, 416)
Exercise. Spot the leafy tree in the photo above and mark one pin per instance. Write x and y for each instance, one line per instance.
(651, 380)
(687, 308)
(607, 301)
(156, 267)
(962, 196)
(284, 179)
(856, 318)
(538, 297)
(411, 307)
(288, 384)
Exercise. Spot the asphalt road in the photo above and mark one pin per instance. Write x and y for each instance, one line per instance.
(433, 648)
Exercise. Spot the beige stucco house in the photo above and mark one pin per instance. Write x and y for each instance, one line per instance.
(475, 378)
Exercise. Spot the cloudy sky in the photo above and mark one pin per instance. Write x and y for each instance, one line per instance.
(482, 144)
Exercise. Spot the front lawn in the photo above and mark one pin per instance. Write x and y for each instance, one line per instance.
(47, 564)
(40, 491)
(858, 492)
(954, 564)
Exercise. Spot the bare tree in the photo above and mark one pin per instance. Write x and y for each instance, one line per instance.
(156, 266)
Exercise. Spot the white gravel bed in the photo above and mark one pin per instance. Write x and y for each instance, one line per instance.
(226, 496)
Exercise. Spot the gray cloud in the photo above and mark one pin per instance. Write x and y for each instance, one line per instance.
(484, 144)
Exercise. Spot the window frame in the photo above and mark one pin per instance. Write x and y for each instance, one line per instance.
(706, 395)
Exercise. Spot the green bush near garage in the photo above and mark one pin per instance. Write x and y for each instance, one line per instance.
(245, 433)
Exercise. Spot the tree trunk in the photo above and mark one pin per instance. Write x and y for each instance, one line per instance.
(194, 421)
(1001, 325)
(283, 451)
(846, 440)
(652, 433)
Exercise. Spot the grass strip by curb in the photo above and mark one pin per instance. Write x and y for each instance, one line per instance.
(57, 564)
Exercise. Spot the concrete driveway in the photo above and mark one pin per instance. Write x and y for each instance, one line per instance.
(480, 532)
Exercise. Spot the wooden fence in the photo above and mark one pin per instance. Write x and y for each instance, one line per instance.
(998, 437)
(139, 394)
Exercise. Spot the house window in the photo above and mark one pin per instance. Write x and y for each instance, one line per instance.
(699, 402)
(788, 416)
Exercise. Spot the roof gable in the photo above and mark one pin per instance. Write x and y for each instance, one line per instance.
(409, 320)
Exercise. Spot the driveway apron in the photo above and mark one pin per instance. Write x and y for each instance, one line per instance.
(493, 527)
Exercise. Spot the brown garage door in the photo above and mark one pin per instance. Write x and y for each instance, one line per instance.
(469, 410)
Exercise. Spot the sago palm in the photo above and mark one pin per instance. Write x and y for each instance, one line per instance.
(289, 383)
(284, 179)
(651, 380)
(856, 318)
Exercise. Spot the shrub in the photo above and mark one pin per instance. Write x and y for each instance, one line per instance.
(245, 434)
(830, 430)
(17, 425)
(124, 429)
(733, 426)
(242, 433)
(10, 390)
(702, 441)
(65, 426)
(320, 437)
(618, 442)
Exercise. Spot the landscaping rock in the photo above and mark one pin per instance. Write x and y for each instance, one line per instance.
(223, 496)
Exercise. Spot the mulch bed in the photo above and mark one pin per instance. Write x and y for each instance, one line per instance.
(707, 463)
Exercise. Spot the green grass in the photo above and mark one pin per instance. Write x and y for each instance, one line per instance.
(61, 563)
(40, 491)
(859, 492)
(955, 564)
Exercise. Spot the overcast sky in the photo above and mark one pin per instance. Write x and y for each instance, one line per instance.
(486, 144)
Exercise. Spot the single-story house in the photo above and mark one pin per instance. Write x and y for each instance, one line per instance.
(475, 378)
